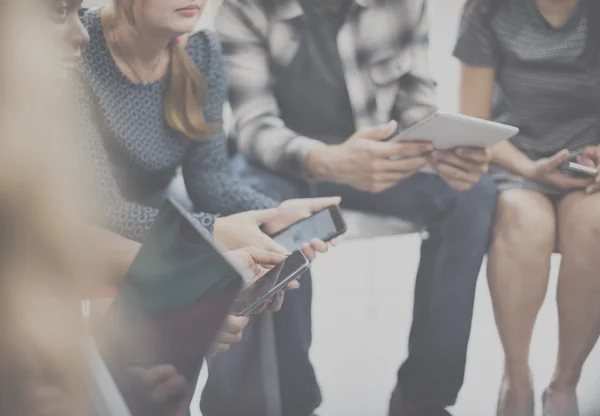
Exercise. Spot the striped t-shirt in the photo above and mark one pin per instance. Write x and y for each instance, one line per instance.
(548, 92)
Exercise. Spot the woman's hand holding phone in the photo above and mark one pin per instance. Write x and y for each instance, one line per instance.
(547, 170)
(244, 229)
(295, 210)
(590, 157)
(259, 262)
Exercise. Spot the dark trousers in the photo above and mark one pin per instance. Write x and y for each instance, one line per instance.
(459, 226)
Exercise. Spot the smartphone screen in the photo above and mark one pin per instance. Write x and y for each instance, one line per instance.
(272, 282)
(321, 225)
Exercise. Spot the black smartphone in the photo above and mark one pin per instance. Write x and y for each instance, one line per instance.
(324, 225)
(273, 282)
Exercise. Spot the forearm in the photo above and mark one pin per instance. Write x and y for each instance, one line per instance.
(267, 142)
(115, 252)
(320, 162)
(211, 185)
(509, 157)
(225, 195)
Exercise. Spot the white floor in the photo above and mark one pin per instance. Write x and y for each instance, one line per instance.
(362, 315)
(363, 301)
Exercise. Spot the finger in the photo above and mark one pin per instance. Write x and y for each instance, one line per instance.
(586, 161)
(593, 188)
(276, 302)
(228, 337)
(334, 242)
(153, 375)
(235, 324)
(175, 387)
(404, 149)
(456, 174)
(452, 159)
(308, 251)
(408, 165)
(563, 181)
(293, 285)
(264, 215)
(263, 271)
(319, 246)
(477, 156)
(381, 132)
(590, 152)
(218, 348)
(265, 257)
(269, 244)
(319, 204)
(555, 161)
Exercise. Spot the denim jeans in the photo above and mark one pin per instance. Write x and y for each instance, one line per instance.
(459, 225)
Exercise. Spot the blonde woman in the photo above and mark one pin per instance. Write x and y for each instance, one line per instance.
(154, 98)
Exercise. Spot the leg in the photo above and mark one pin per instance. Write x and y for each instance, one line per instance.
(518, 269)
(459, 225)
(578, 296)
(299, 390)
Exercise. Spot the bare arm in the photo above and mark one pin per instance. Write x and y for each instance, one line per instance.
(476, 91)
(115, 252)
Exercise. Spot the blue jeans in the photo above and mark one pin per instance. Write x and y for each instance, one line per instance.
(459, 226)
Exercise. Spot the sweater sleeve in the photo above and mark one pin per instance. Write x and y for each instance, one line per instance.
(114, 212)
(206, 171)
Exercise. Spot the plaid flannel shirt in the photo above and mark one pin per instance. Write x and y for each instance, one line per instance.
(383, 47)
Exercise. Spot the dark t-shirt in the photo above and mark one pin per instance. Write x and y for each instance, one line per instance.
(311, 91)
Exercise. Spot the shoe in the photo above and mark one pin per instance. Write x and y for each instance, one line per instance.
(501, 408)
(401, 406)
(546, 413)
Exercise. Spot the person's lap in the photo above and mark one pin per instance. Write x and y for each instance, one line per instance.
(421, 199)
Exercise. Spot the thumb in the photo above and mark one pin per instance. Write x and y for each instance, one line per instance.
(265, 215)
(381, 132)
(319, 204)
(555, 161)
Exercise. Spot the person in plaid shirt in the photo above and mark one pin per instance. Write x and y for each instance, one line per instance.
(316, 86)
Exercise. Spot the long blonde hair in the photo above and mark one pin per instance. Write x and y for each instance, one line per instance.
(39, 241)
(185, 94)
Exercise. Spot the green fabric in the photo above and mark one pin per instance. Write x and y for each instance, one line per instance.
(170, 272)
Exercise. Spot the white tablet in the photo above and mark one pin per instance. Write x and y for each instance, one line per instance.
(447, 131)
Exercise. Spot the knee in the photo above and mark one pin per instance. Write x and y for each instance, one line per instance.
(523, 221)
(579, 221)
